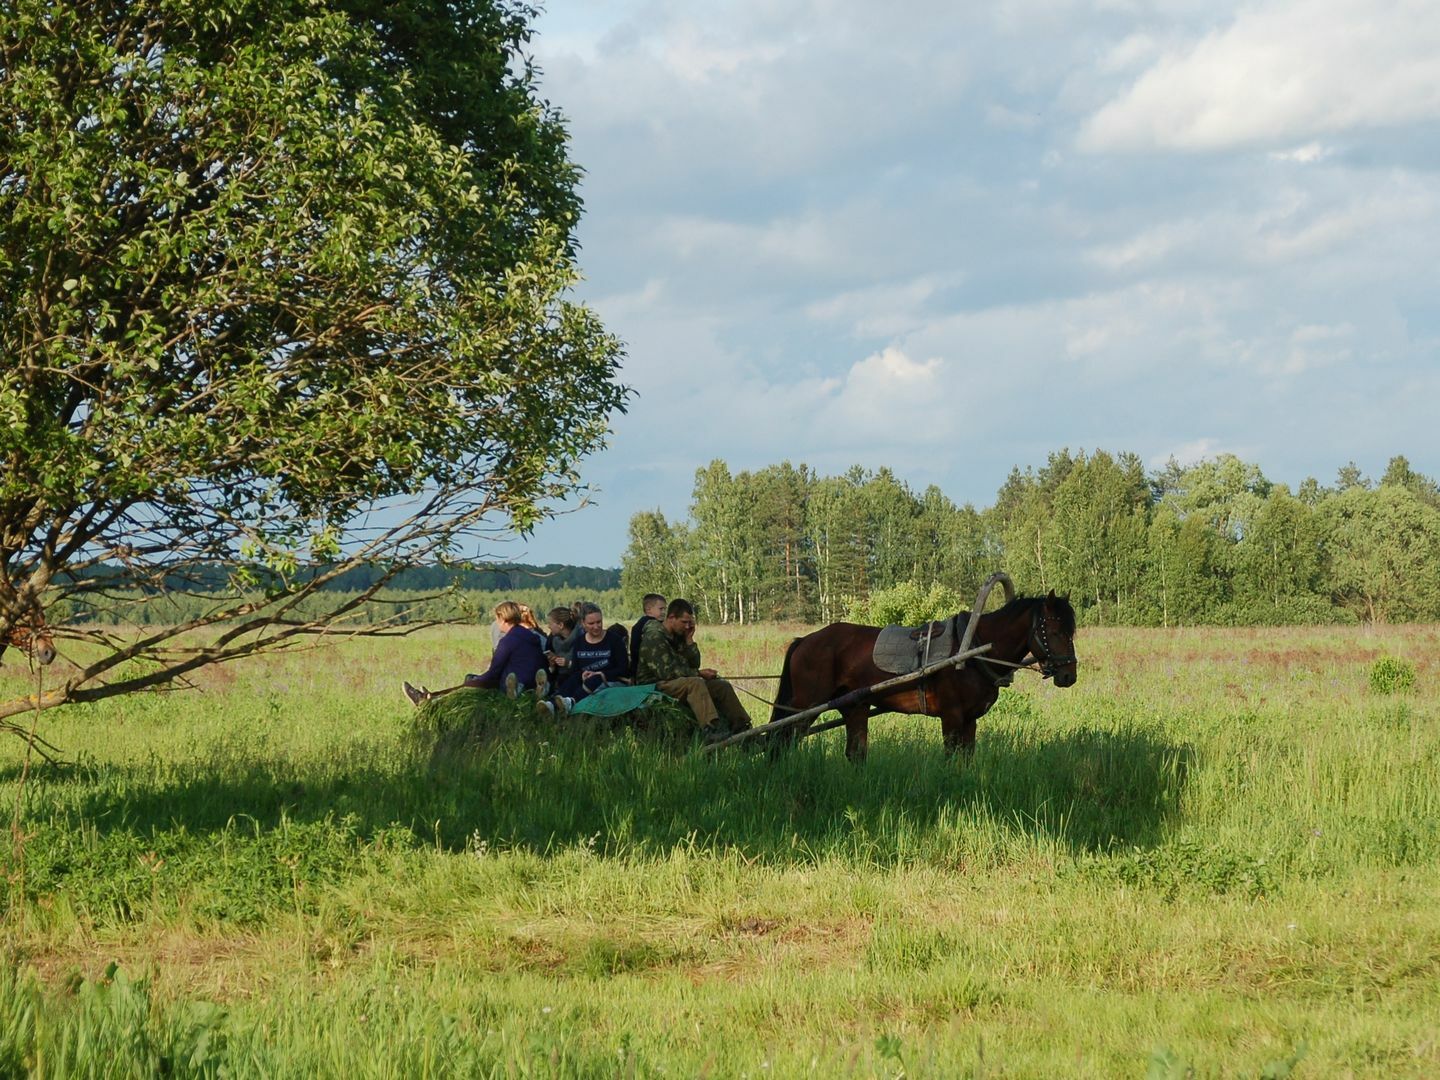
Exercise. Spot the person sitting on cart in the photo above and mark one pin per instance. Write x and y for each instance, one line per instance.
(517, 660)
(653, 608)
(598, 659)
(561, 638)
(670, 659)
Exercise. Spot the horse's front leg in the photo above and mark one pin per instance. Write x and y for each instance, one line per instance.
(959, 732)
(857, 732)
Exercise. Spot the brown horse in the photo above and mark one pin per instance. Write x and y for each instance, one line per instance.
(836, 660)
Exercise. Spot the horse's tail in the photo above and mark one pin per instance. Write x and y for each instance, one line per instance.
(782, 695)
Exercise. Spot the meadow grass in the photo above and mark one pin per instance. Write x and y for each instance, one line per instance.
(1215, 856)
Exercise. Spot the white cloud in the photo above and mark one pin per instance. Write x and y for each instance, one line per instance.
(1308, 154)
(1282, 72)
(1389, 212)
(692, 56)
(886, 310)
(1187, 453)
(1135, 51)
(803, 243)
(1313, 346)
(1151, 246)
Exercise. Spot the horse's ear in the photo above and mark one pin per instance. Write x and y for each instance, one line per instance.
(1051, 597)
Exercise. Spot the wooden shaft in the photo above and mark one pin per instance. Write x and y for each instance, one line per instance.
(999, 577)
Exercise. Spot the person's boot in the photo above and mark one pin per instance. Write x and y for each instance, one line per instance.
(715, 731)
(512, 686)
(542, 684)
(416, 695)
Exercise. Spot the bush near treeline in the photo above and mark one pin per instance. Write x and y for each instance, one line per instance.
(1214, 543)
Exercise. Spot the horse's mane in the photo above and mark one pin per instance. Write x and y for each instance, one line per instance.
(1027, 604)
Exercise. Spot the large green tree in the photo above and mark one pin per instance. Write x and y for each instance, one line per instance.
(1383, 549)
(282, 287)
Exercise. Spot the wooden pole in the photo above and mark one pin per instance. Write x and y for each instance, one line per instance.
(999, 577)
(851, 698)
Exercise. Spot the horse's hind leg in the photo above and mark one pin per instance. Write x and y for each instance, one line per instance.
(857, 732)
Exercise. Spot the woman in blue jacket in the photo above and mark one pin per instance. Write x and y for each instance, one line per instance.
(518, 656)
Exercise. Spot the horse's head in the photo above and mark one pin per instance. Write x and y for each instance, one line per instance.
(1052, 639)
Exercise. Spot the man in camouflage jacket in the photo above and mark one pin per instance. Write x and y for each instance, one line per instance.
(670, 659)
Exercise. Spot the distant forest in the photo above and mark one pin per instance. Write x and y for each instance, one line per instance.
(552, 576)
(1211, 543)
(414, 595)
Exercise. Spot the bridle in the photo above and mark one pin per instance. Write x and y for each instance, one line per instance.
(1040, 646)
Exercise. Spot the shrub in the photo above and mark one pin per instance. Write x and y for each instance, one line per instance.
(1391, 675)
(906, 604)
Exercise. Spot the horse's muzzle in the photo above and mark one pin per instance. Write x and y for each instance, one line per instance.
(1065, 677)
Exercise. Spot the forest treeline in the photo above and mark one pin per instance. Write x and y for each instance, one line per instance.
(1211, 543)
(218, 577)
(416, 594)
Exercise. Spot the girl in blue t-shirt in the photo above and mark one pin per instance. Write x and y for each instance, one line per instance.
(598, 658)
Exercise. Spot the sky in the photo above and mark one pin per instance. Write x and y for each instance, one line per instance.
(952, 239)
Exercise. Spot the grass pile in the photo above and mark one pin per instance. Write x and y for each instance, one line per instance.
(470, 719)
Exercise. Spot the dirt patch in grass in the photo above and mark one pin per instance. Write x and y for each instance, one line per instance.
(179, 964)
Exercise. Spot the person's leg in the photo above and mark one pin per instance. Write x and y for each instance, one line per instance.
(728, 703)
(418, 695)
(694, 695)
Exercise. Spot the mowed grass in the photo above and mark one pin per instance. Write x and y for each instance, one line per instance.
(1217, 855)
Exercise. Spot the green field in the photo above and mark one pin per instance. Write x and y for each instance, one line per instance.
(1217, 855)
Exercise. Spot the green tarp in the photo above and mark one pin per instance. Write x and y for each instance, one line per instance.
(615, 700)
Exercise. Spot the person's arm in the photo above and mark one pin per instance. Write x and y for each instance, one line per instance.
(618, 666)
(492, 674)
(659, 662)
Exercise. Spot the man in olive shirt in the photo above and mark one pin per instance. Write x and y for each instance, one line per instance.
(670, 659)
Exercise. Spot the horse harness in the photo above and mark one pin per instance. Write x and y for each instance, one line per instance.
(1002, 674)
(1045, 654)
(932, 631)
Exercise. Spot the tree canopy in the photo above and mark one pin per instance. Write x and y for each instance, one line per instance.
(282, 282)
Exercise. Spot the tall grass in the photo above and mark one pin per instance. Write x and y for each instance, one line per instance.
(1217, 852)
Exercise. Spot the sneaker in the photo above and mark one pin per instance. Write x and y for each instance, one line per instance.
(542, 684)
(415, 694)
(563, 705)
(512, 686)
(544, 709)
